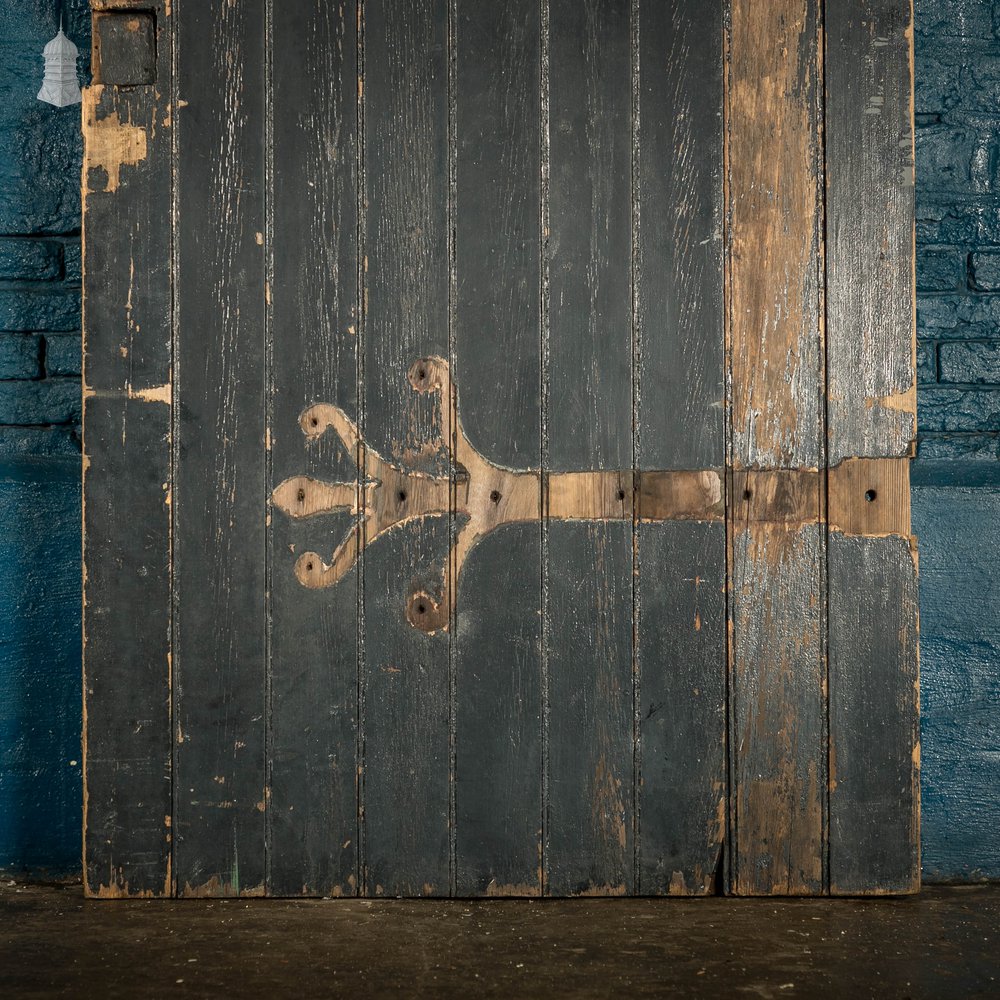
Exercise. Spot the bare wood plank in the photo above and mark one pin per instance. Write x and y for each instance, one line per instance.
(777, 711)
(589, 832)
(497, 642)
(313, 804)
(406, 766)
(874, 781)
(127, 478)
(680, 352)
(219, 497)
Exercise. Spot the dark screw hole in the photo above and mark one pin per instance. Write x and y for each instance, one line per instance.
(495, 496)
(314, 421)
(421, 609)
(402, 496)
(421, 374)
(302, 496)
(747, 494)
(621, 494)
(309, 566)
(870, 496)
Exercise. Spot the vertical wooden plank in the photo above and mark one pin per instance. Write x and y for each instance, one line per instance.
(219, 499)
(497, 641)
(874, 748)
(589, 834)
(406, 779)
(313, 805)
(777, 679)
(778, 738)
(126, 468)
(869, 140)
(874, 725)
(680, 330)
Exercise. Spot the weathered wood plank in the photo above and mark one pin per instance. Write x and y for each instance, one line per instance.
(497, 640)
(777, 709)
(219, 496)
(313, 804)
(589, 842)
(127, 477)
(869, 257)
(874, 720)
(682, 711)
(874, 798)
(680, 345)
(589, 832)
(406, 765)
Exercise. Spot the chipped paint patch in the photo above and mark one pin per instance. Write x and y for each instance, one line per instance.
(154, 394)
(109, 142)
(903, 402)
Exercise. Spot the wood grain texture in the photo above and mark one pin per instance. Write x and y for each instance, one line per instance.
(589, 834)
(127, 478)
(313, 240)
(219, 496)
(874, 790)
(874, 730)
(497, 639)
(869, 260)
(589, 426)
(682, 708)
(870, 497)
(680, 341)
(406, 767)
(778, 708)
(679, 239)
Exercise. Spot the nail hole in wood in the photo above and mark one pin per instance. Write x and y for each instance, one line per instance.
(309, 567)
(621, 494)
(421, 610)
(301, 496)
(314, 421)
(402, 496)
(747, 494)
(871, 496)
(495, 496)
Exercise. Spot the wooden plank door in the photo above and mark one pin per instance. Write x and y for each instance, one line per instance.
(497, 421)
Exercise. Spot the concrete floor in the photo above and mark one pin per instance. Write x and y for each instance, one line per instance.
(944, 943)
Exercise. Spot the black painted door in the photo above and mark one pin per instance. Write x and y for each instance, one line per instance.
(497, 426)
